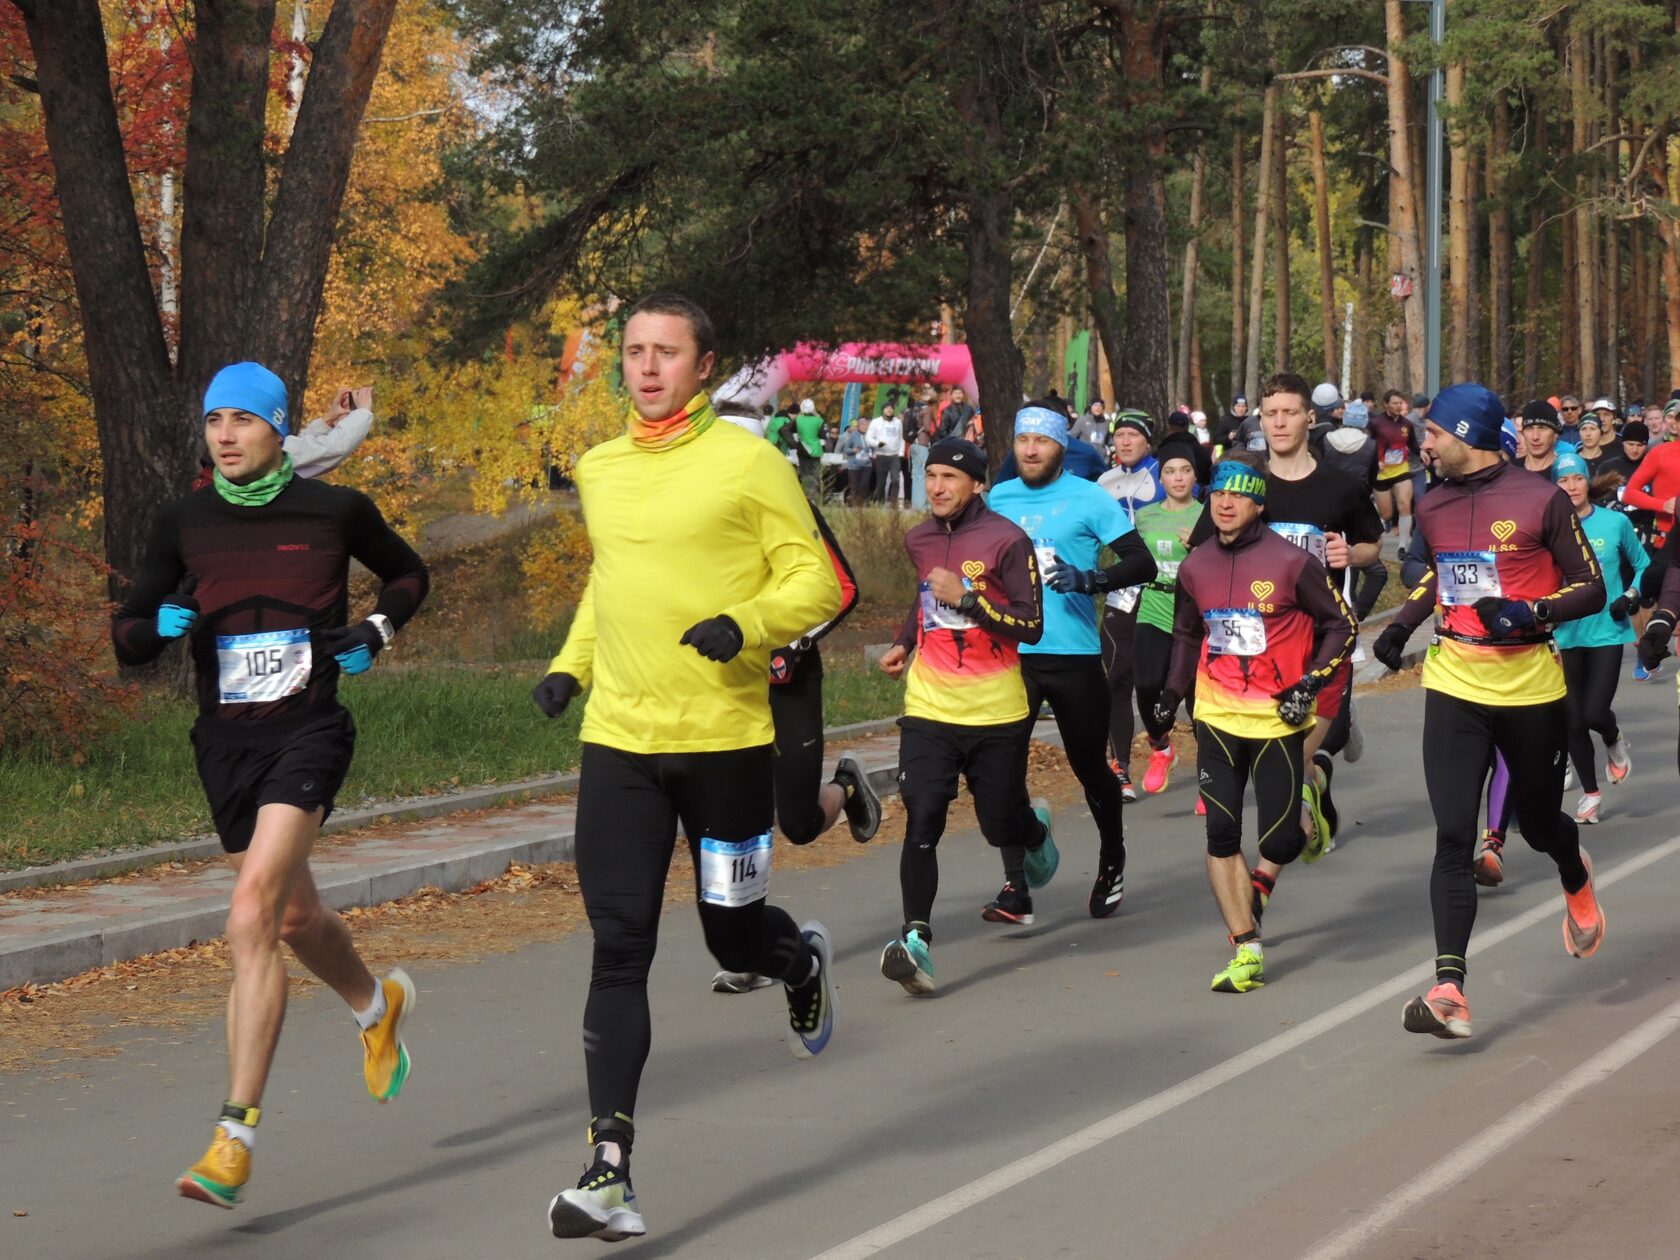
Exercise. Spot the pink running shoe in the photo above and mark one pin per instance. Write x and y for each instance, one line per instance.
(1442, 1012)
(1161, 763)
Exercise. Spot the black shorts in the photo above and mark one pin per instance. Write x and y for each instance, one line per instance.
(294, 762)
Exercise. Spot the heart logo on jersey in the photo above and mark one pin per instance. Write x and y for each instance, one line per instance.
(1261, 589)
(1503, 530)
(973, 568)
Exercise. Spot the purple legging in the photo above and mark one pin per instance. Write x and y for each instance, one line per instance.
(1499, 797)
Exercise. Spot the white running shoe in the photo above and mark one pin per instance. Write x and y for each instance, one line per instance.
(739, 982)
(1359, 654)
(1586, 809)
(1620, 762)
(1355, 747)
(1568, 777)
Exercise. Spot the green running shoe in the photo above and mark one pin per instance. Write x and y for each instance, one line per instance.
(1042, 860)
(1244, 972)
(909, 961)
(602, 1206)
(1318, 843)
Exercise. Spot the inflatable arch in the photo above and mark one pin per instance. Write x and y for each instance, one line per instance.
(866, 362)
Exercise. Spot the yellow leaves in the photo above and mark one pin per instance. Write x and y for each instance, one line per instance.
(556, 565)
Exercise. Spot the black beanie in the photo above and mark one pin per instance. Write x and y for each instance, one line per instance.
(1183, 446)
(963, 456)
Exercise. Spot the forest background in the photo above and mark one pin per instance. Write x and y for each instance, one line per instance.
(446, 199)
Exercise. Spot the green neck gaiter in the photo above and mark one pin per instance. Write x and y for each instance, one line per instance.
(258, 492)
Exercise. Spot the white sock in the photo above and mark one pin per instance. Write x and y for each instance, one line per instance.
(375, 1010)
(246, 1133)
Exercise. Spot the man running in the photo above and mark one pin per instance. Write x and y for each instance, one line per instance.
(1070, 520)
(965, 705)
(1262, 630)
(1510, 563)
(1540, 429)
(705, 558)
(254, 571)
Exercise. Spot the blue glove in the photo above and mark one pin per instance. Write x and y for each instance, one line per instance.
(353, 647)
(175, 616)
(1067, 579)
(1503, 617)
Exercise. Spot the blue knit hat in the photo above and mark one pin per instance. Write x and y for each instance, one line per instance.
(1569, 465)
(249, 387)
(1471, 413)
(1043, 421)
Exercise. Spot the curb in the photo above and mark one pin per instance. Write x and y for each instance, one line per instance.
(206, 849)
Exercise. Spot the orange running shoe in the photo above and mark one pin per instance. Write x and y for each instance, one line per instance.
(1583, 918)
(1161, 763)
(1490, 861)
(1201, 806)
(1442, 1012)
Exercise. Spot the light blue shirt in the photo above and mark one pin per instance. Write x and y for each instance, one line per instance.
(1619, 554)
(1070, 520)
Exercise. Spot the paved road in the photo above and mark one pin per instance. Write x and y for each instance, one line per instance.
(1074, 1090)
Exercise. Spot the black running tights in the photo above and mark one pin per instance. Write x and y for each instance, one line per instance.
(796, 708)
(1118, 630)
(1224, 764)
(1078, 697)
(1591, 674)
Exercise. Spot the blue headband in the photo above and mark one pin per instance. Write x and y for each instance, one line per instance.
(1043, 421)
(249, 387)
(1237, 478)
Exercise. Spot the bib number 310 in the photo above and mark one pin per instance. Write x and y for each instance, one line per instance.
(734, 872)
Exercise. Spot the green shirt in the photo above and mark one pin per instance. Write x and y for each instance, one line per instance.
(1159, 525)
(809, 427)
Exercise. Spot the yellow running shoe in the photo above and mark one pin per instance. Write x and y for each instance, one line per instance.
(385, 1059)
(221, 1174)
(1244, 972)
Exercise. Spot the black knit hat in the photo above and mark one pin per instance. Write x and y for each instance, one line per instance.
(963, 456)
(1539, 411)
(1183, 446)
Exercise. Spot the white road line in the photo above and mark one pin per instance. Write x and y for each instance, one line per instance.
(1451, 1171)
(1123, 1121)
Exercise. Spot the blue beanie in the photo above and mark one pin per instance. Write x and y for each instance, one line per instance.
(1043, 421)
(1569, 465)
(249, 387)
(1471, 413)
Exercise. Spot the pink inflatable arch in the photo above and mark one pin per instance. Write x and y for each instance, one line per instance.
(868, 362)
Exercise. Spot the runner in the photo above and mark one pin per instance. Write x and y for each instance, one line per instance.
(253, 571)
(1659, 630)
(1397, 460)
(1069, 521)
(1263, 630)
(1329, 514)
(1653, 486)
(1510, 563)
(1135, 480)
(1591, 647)
(1540, 430)
(705, 557)
(965, 705)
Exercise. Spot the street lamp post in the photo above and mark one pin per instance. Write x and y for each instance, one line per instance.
(1433, 153)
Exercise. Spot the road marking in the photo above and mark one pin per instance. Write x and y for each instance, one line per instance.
(1471, 1155)
(935, 1211)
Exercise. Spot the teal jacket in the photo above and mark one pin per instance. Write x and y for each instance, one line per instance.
(1622, 559)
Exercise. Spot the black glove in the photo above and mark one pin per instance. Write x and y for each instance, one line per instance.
(1166, 708)
(554, 693)
(1653, 644)
(1624, 606)
(354, 647)
(717, 639)
(1295, 703)
(1390, 647)
(1068, 579)
(1502, 617)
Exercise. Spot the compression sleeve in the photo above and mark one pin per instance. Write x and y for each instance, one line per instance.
(802, 591)
(392, 560)
(1133, 564)
(577, 656)
(1188, 629)
(1020, 613)
(1582, 592)
(134, 635)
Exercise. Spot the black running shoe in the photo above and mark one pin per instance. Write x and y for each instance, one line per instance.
(602, 1206)
(1013, 905)
(1322, 760)
(1108, 890)
(1128, 793)
(863, 805)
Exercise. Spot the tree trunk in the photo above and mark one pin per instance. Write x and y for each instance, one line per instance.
(1405, 199)
(1196, 398)
(1257, 277)
(1671, 267)
(1569, 346)
(1359, 376)
(1502, 254)
(1192, 254)
(1612, 286)
(1239, 228)
(1099, 276)
(1282, 331)
(1321, 224)
(1531, 301)
(1586, 282)
(1458, 229)
(1143, 53)
(1477, 251)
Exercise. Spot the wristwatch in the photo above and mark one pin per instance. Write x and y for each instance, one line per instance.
(382, 623)
(969, 602)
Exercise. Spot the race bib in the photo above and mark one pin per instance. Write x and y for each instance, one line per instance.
(1463, 577)
(1235, 632)
(261, 668)
(1309, 538)
(937, 616)
(734, 872)
(1395, 457)
(1045, 550)
(1125, 600)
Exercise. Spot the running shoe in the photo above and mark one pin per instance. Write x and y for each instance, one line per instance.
(1128, 793)
(739, 982)
(1161, 763)
(602, 1206)
(1586, 809)
(1583, 917)
(1489, 868)
(1327, 766)
(813, 1006)
(385, 1059)
(1107, 892)
(1201, 806)
(221, 1175)
(863, 804)
(1359, 654)
(1011, 905)
(1354, 749)
(1442, 1012)
(1042, 859)
(1244, 972)
(1641, 674)
(1620, 763)
(1318, 841)
(909, 961)
(1568, 777)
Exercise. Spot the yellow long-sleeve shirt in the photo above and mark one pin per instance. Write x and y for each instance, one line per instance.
(716, 525)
